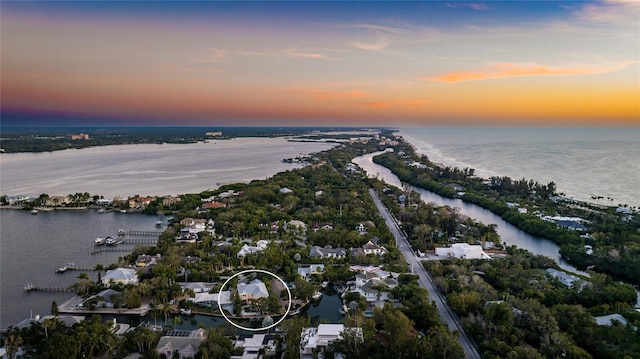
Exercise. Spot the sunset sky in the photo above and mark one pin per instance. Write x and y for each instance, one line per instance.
(497, 63)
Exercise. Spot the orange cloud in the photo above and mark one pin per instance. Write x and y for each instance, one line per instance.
(505, 70)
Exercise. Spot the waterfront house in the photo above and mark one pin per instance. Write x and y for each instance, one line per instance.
(373, 283)
(140, 202)
(181, 344)
(120, 275)
(314, 340)
(206, 299)
(252, 290)
(104, 202)
(54, 201)
(20, 199)
(67, 320)
(327, 252)
(196, 287)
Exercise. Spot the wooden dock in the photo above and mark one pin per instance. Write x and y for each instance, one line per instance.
(35, 288)
(105, 250)
(140, 233)
(140, 241)
(70, 267)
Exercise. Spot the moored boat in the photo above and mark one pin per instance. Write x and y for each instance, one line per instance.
(34, 211)
(111, 241)
(100, 241)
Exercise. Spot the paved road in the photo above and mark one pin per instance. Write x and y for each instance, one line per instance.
(426, 281)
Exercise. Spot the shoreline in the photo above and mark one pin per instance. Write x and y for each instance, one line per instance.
(46, 209)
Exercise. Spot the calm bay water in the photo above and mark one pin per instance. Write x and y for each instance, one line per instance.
(583, 162)
(33, 247)
(167, 169)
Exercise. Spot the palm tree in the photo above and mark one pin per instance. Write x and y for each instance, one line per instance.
(54, 309)
(48, 323)
(166, 309)
(155, 311)
(12, 345)
(99, 268)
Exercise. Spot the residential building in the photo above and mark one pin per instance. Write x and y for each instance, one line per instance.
(306, 272)
(169, 201)
(53, 201)
(327, 252)
(120, 275)
(145, 260)
(252, 290)
(260, 246)
(564, 278)
(463, 251)
(253, 345)
(214, 205)
(206, 299)
(140, 202)
(370, 248)
(295, 226)
(315, 340)
(184, 343)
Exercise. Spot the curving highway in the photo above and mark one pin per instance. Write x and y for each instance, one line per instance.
(426, 281)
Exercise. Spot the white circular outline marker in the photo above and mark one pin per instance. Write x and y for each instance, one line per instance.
(261, 328)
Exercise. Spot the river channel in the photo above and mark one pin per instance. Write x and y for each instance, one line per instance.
(508, 232)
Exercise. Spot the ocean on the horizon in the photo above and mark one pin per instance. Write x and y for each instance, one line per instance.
(583, 162)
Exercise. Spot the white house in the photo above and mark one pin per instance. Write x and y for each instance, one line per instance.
(463, 251)
(120, 275)
(185, 346)
(315, 340)
(253, 290)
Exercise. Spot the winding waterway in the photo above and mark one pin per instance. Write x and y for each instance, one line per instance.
(508, 232)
